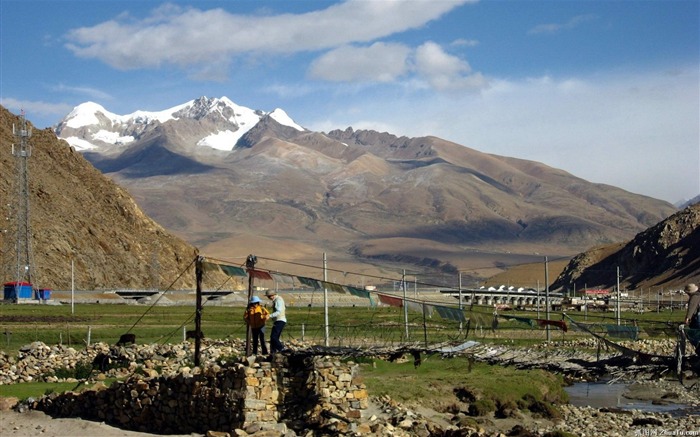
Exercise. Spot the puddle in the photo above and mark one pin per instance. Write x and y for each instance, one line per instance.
(600, 395)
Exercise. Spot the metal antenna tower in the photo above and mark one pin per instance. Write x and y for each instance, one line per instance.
(22, 151)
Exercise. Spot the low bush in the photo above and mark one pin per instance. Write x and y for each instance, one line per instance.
(481, 407)
(82, 370)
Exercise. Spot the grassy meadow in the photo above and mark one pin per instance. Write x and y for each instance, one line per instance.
(21, 324)
(441, 382)
(432, 383)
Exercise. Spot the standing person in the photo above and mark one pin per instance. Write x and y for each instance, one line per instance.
(692, 317)
(280, 320)
(255, 316)
(693, 305)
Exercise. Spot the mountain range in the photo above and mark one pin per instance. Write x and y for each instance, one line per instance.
(86, 231)
(235, 181)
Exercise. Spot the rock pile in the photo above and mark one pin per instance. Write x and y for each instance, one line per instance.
(224, 394)
(588, 421)
(40, 362)
(297, 394)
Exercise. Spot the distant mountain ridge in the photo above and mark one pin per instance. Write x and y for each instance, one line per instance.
(667, 253)
(687, 203)
(362, 196)
(90, 126)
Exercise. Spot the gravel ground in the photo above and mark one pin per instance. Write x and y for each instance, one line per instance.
(36, 423)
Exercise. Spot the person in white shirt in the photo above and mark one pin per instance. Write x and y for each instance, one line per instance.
(279, 320)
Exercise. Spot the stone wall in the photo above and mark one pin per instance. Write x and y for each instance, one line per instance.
(317, 389)
(295, 390)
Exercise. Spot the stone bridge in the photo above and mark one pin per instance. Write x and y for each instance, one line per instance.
(510, 298)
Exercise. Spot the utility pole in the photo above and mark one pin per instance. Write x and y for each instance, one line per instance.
(619, 295)
(326, 335)
(460, 301)
(199, 274)
(405, 307)
(546, 298)
(250, 266)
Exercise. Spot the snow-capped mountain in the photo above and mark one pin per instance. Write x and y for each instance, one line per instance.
(91, 127)
(361, 194)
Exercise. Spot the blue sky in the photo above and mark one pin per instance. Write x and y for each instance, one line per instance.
(606, 90)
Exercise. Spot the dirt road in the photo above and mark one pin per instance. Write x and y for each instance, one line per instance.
(36, 423)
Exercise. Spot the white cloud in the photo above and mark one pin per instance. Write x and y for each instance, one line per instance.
(33, 108)
(379, 62)
(464, 43)
(287, 91)
(444, 71)
(638, 131)
(188, 36)
(556, 27)
(91, 93)
(427, 66)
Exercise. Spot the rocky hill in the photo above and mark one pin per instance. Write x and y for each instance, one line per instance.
(362, 197)
(667, 254)
(77, 214)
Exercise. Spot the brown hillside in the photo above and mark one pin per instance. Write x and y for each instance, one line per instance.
(78, 214)
(370, 199)
(667, 254)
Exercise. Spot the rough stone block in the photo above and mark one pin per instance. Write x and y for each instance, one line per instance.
(254, 404)
(360, 394)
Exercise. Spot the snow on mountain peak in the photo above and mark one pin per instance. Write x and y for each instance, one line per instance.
(282, 118)
(123, 127)
(85, 114)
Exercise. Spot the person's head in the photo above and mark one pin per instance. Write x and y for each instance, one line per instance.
(255, 300)
(691, 288)
(270, 294)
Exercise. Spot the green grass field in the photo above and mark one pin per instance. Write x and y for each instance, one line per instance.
(21, 324)
(432, 382)
(435, 380)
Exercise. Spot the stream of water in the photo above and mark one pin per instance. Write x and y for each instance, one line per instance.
(600, 395)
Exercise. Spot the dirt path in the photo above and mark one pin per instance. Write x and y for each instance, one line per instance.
(36, 423)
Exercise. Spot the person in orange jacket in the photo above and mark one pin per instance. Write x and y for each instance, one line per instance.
(255, 316)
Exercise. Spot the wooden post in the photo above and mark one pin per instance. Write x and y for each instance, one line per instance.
(405, 307)
(425, 324)
(546, 299)
(198, 311)
(250, 266)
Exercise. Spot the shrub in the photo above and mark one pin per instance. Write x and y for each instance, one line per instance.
(541, 408)
(507, 409)
(83, 370)
(64, 372)
(358, 360)
(481, 407)
(223, 361)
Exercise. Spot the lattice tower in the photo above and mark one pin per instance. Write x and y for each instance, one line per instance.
(24, 266)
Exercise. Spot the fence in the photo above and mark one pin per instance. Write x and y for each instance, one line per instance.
(383, 326)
